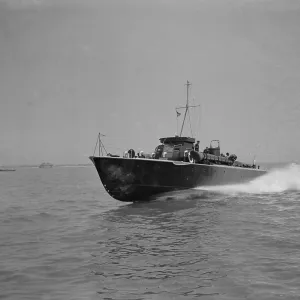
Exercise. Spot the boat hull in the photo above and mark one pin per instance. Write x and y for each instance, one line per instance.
(133, 179)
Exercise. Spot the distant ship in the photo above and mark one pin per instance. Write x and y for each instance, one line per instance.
(4, 169)
(176, 164)
(45, 165)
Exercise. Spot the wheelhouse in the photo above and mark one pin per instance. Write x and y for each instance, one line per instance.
(173, 148)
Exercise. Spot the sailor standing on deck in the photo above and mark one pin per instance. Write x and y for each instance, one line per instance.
(197, 146)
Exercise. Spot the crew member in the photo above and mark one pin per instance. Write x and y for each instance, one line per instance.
(197, 146)
(186, 158)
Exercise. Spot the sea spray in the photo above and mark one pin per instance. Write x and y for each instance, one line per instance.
(276, 181)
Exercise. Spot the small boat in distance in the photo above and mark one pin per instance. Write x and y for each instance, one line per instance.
(45, 165)
(176, 164)
(4, 169)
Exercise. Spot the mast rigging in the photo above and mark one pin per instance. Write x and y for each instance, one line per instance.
(187, 104)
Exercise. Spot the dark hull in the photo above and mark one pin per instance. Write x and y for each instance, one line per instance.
(135, 179)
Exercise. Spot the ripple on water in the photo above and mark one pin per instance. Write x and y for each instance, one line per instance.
(63, 237)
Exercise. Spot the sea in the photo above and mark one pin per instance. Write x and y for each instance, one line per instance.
(63, 237)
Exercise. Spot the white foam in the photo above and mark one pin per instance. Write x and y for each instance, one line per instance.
(275, 181)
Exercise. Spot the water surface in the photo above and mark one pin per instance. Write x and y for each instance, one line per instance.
(64, 237)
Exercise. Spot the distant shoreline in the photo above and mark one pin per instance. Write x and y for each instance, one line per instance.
(54, 165)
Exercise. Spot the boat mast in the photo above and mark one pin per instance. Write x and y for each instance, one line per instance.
(187, 104)
(100, 144)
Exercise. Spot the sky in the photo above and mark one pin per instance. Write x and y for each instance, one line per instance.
(70, 69)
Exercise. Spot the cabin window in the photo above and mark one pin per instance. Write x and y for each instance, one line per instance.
(177, 147)
(168, 148)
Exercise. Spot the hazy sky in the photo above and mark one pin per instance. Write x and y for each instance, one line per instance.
(71, 68)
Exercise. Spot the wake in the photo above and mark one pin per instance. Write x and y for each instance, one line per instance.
(276, 181)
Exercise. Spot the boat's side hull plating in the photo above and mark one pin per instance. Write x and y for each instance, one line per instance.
(134, 179)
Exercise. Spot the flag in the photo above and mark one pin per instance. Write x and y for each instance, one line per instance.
(178, 113)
